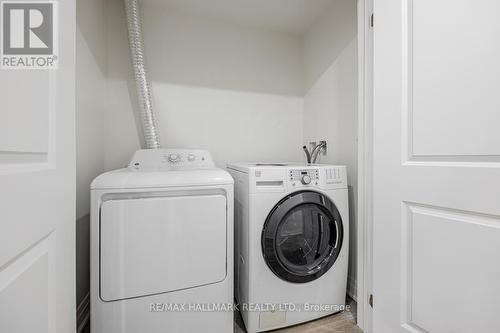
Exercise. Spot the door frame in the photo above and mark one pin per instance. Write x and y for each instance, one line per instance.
(365, 165)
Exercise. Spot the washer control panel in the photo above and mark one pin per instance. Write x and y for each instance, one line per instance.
(294, 177)
(303, 177)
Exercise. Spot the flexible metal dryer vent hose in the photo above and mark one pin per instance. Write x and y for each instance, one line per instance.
(144, 94)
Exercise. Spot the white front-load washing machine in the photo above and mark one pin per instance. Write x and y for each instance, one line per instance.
(162, 245)
(292, 235)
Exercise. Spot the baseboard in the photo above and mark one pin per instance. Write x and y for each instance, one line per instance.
(83, 313)
(352, 288)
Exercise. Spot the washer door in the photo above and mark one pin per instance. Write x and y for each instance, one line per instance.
(302, 237)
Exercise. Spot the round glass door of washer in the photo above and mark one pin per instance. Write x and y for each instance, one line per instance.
(302, 236)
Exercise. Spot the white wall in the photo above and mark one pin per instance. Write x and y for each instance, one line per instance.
(90, 107)
(330, 104)
(233, 125)
(197, 50)
(231, 89)
(328, 38)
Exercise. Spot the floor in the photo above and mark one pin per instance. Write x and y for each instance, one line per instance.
(344, 322)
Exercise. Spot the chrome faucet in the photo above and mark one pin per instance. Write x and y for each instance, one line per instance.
(315, 151)
(308, 154)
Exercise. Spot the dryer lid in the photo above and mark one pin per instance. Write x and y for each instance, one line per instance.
(126, 178)
(150, 168)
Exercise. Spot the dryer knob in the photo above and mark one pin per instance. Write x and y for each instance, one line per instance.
(306, 179)
(173, 158)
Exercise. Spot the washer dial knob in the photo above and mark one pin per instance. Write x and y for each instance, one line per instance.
(306, 179)
(191, 157)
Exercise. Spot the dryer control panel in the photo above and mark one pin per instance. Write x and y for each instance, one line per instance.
(171, 158)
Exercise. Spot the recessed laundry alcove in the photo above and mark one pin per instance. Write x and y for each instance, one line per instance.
(248, 81)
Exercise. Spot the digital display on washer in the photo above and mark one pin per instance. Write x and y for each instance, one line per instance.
(296, 175)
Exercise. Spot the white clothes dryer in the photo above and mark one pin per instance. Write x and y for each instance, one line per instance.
(162, 245)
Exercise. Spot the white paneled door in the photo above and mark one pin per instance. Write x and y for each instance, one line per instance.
(37, 184)
(436, 166)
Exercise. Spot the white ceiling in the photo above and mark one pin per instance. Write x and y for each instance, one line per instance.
(291, 16)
